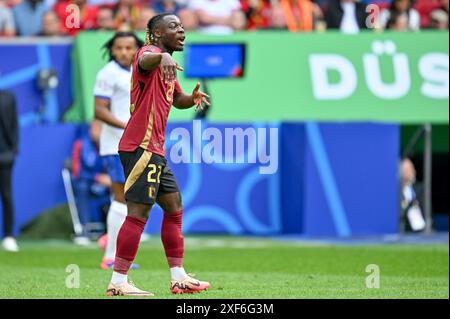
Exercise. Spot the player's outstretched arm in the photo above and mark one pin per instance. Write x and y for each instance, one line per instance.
(103, 113)
(197, 98)
(151, 60)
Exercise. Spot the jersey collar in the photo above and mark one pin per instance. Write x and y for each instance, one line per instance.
(122, 67)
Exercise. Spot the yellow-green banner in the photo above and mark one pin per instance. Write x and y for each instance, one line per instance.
(382, 77)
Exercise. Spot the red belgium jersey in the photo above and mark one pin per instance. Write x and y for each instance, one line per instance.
(151, 100)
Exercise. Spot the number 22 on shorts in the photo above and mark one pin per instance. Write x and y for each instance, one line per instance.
(152, 172)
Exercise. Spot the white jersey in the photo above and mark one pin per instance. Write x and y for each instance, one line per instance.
(113, 83)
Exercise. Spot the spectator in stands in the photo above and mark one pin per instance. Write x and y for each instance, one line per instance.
(28, 17)
(12, 3)
(71, 23)
(400, 11)
(397, 22)
(52, 3)
(277, 19)
(126, 14)
(145, 15)
(51, 25)
(188, 18)
(323, 3)
(424, 7)
(444, 5)
(218, 16)
(91, 183)
(439, 19)
(7, 26)
(349, 16)
(411, 213)
(9, 144)
(162, 6)
(108, 3)
(302, 15)
(105, 19)
(258, 13)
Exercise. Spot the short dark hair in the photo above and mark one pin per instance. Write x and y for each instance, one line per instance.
(154, 22)
(121, 34)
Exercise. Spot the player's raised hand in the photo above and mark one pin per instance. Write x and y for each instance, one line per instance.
(199, 97)
(169, 68)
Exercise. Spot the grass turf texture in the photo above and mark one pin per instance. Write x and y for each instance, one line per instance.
(237, 268)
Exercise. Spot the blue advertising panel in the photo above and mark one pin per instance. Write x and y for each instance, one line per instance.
(214, 60)
(292, 178)
(19, 68)
(340, 179)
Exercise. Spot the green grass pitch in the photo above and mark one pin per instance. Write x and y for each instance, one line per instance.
(237, 267)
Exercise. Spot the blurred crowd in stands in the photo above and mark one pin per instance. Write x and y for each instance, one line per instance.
(66, 18)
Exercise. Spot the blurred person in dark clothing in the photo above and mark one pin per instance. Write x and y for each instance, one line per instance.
(9, 144)
(397, 22)
(89, 178)
(349, 16)
(400, 11)
(411, 212)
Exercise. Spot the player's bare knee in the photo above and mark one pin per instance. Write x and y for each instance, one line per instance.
(170, 203)
(180, 202)
(175, 208)
(139, 210)
(177, 205)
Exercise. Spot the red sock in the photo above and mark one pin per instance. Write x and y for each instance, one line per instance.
(127, 243)
(172, 238)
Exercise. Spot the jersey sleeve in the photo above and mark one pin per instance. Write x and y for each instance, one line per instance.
(104, 85)
(143, 51)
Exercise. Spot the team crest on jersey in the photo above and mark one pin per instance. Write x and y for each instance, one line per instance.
(132, 108)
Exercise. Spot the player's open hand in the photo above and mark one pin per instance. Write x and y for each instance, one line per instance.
(199, 97)
(169, 68)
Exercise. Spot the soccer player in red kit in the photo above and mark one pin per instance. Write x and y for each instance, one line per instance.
(149, 179)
